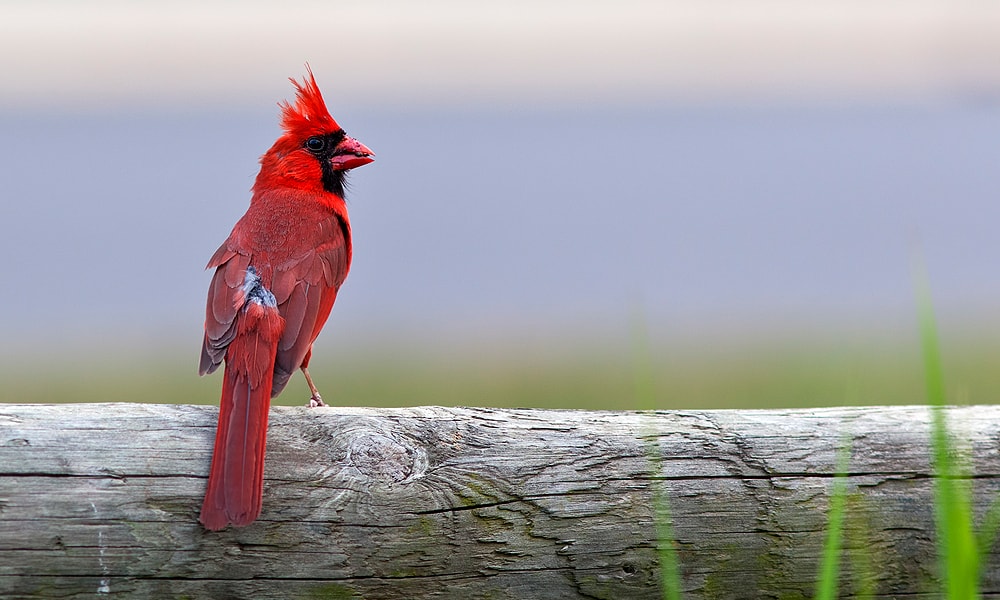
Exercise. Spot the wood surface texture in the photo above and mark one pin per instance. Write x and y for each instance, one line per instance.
(102, 500)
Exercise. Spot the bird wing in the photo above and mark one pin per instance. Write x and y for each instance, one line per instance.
(306, 288)
(220, 313)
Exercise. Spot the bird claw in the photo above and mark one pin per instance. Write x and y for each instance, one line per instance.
(315, 401)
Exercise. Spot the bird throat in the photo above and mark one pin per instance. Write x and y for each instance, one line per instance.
(333, 179)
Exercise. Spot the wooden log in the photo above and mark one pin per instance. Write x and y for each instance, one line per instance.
(103, 499)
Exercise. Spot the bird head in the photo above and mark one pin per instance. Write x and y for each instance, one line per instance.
(314, 152)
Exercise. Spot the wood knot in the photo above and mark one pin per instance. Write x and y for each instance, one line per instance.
(386, 459)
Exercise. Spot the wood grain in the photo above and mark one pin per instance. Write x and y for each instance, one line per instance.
(102, 499)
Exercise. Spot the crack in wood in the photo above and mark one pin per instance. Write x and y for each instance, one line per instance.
(510, 503)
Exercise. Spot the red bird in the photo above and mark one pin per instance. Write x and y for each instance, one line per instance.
(275, 281)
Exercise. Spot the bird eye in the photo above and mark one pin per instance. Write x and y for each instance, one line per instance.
(315, 144)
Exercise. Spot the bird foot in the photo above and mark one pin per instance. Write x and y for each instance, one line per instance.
(315, 401)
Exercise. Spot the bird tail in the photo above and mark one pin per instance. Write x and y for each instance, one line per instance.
(236, 479)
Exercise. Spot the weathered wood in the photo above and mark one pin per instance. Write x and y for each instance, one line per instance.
(474, 503)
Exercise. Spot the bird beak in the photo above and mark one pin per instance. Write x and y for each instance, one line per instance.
(350, 153)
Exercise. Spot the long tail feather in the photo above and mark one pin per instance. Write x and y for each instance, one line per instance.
(236, 479)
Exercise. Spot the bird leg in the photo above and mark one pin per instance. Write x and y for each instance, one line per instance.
(315, 400)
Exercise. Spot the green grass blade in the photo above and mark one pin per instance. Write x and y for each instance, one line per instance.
(642, 364)
(670, 576)
(990, 526)
(958, 548)
(645, 399)
(829, 574)
(863, 568)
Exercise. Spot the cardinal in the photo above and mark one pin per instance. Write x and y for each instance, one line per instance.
(276, 279)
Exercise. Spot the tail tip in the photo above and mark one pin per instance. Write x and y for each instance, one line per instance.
(213, 520)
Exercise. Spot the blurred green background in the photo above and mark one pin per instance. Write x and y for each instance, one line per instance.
(567, 196)
(596, 373)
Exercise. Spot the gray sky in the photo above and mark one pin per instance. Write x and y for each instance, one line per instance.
(725, 164)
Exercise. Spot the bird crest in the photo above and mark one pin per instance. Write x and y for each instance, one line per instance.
(308, 114)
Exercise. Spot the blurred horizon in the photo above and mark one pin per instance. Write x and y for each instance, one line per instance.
(751, 182)
(110, 55)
